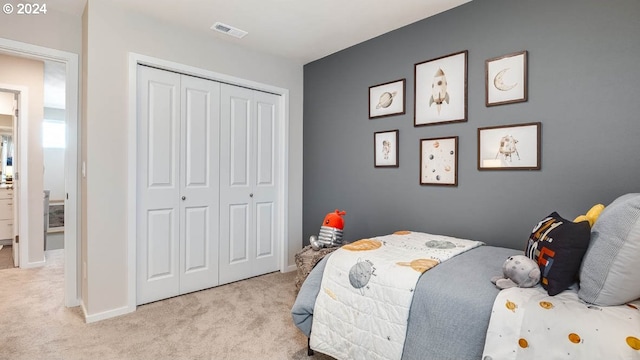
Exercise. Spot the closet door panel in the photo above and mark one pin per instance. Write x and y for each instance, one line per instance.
(199, 194)
(239, 232)
(197, 138)
(248, 181)
(266, 182)
(266, 153)
(197, 248)
(237, 249)
(158, 186)
(161, 135)
(161, 244)
(239, 126)
(265, 226)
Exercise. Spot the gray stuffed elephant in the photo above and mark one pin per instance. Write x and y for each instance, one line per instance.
(518, 271)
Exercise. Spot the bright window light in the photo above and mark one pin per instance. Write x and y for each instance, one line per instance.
(53, 134)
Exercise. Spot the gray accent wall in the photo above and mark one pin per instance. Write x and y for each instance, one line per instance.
(583, 87)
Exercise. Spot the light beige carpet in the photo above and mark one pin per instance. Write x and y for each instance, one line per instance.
(249, 319)
(6, 257)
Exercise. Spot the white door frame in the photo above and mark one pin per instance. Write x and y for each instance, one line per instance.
(283, 154)
(71, 216)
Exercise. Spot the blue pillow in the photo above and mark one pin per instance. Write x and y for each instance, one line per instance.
(610, 271)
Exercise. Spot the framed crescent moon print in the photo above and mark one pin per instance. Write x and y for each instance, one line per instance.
(387, 99)
(441, 90)
(506, 79)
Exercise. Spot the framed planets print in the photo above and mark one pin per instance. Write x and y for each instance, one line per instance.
(439, 161)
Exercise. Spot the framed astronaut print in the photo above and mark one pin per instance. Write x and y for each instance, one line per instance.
(509, 147)
(385, 144)
(441, 90)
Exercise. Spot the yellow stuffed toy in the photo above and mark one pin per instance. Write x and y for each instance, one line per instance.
(592, 215)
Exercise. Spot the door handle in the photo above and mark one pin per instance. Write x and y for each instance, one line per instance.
(251, 195)
(184, 198)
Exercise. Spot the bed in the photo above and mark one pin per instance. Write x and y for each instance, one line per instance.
(453, 302)
(441, 291)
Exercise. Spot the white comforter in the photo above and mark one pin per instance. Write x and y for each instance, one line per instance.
(529, 324)
(362, 309)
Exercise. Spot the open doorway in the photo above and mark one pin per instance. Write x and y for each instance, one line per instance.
(53, 151)
(8, 162)
(30, 245)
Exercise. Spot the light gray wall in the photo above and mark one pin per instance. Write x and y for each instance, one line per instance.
(55, 30)
(111, 32)
(583, 87)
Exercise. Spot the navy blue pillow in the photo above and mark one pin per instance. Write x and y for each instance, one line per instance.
(558, 246)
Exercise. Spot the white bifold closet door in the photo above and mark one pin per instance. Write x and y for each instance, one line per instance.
(177, 184)
(249, 181)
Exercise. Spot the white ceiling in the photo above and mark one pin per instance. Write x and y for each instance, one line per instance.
(300, 30)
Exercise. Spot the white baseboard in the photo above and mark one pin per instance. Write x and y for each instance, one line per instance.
(290, 268)
(105, 314)
(33, 264)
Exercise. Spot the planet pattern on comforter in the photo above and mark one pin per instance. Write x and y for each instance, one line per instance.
(454, 295)
(367, 290)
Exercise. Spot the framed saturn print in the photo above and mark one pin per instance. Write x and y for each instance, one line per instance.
(441, 90)
(385, 144)
(506, 79)
(387, 99)
(439, 161)
(509, 147)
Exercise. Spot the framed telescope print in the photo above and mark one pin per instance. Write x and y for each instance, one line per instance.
(506, 79)
(441, 90)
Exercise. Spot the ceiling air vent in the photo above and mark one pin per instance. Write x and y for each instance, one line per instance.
(229, 30)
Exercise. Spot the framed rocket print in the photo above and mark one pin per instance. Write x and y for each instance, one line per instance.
(441, 90)
(506, 79)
